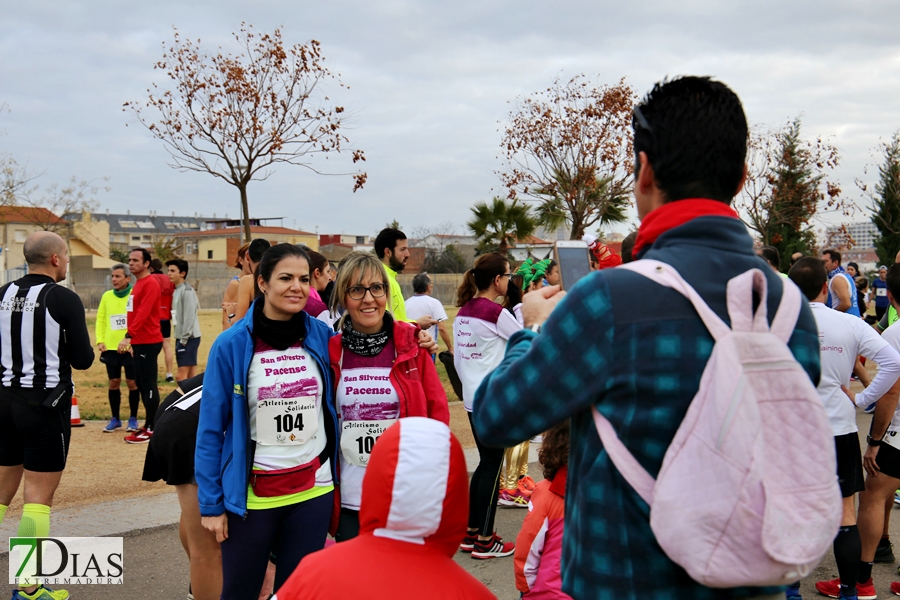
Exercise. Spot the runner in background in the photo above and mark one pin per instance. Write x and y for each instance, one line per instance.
(381, 375)
(879, 285)
(247, 285)
(185, 312)
(422, 303)
(229, 300)
(143, 338)
(481, 330)
(43, 336)
(167, 290)
(319, 279)
(109, 330)
(170, 457)
(392, 247)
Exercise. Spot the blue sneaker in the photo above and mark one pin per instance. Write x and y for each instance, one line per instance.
(870, 408)
(793, 592)
(113, 425)
(132, 424)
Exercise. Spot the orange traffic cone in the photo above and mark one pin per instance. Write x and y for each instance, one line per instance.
(76, 414)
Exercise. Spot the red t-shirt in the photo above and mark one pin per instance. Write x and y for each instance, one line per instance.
(167, 289)
(143, 312)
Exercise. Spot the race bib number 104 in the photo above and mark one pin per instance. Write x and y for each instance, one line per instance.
(286, 421)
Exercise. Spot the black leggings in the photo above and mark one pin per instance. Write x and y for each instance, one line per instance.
(146, 371)
(484, 487)
(290, 532)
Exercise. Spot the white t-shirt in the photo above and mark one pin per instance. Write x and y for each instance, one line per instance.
(891, 335)
(841, 338)
(368, 404)
(287, 418)
(423, 304)
(480, 332)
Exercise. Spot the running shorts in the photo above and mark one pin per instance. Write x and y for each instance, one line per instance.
(32, 435)
(165, 326)
(849, 464)
(170, 452)
(888, 459)
(186, 355)
(115, 362)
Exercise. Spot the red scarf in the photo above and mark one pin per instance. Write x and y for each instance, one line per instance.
(673, 214)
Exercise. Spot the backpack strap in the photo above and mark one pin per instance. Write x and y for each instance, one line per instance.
(627, 465)
(739, 298)
(788, 311)
(667, 276)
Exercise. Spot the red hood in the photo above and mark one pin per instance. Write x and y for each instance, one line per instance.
(416, 488)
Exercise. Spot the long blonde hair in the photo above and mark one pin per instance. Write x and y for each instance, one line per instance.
(352, 269)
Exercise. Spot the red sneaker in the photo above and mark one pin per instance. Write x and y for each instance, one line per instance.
(493, 548)
(895, 588)
(468, 543)
(141, 436)
(832, 589)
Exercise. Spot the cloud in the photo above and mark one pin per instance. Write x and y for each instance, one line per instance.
(429, 83)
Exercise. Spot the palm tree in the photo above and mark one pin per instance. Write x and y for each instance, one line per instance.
(581, 200)
(499, 223)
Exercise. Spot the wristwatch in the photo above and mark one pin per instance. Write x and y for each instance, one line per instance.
(536, 328)
(872, 441)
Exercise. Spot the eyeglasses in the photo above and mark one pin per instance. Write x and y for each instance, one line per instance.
(358, 292)
(506, 275)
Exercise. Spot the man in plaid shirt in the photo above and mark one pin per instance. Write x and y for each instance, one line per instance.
(637, 350)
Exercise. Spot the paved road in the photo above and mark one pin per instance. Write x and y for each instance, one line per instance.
(156, 568)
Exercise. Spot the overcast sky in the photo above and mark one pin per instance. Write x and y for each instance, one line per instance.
(430, 85)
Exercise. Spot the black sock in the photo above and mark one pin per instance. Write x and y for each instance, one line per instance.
(865, 572)
(115, 401)
(134, 401)
(847, 550)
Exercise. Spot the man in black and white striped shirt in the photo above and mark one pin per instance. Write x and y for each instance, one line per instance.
(43, 336)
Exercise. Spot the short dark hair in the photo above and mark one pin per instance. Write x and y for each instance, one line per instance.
(694, 132)
(387, 240)
(257, 248)
(893, 281)
(833, 254)
(180, 264)
(771, 255)
(145, 255)
(628, 247)
(156, 265)
(854, 265)
(809, 275)
(420, 283)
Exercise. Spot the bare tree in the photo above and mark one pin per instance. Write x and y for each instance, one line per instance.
(75, 197)
(234, 117)
(570, 149)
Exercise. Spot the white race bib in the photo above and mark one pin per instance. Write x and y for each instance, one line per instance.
(286, 421)
(118, 322)
(881, 291)
(359, 437)
(129, 306)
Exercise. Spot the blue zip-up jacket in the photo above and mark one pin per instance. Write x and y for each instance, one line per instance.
(636, 351)
(223, 456)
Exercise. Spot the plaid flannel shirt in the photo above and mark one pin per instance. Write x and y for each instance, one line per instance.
(636, 350)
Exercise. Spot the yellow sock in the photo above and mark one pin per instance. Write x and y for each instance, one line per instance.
(2, 511)
(35, 521)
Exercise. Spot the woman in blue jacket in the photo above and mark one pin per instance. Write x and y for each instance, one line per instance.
(265, 456)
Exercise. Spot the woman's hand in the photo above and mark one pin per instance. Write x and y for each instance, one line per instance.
(217, 525)
(426, 342)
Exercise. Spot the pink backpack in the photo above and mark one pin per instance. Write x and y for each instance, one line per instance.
(747, 494)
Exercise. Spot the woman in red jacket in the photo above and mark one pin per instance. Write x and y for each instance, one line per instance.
(381, 375)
